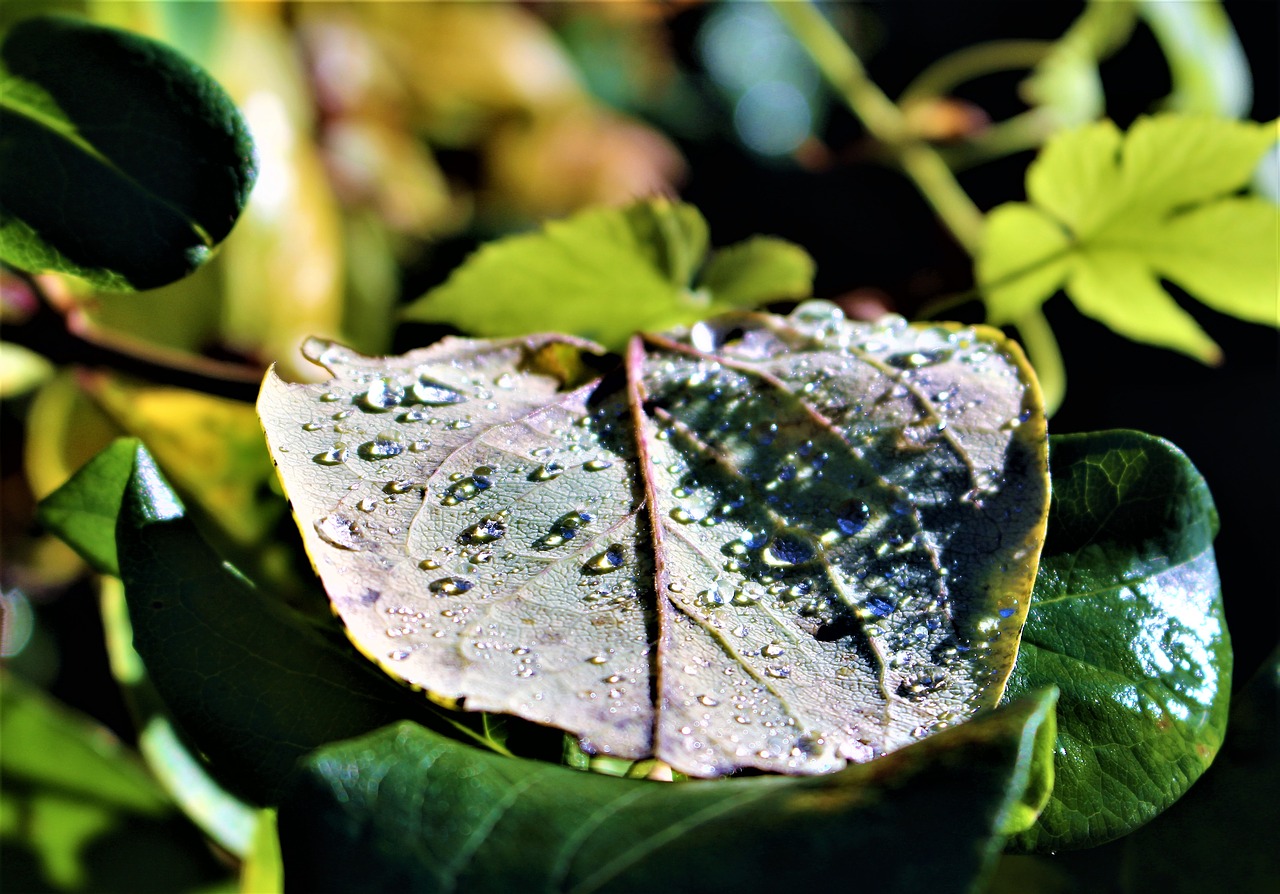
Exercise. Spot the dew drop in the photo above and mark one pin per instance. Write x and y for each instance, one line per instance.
(918, 359)
(547, 472)
(334, 456)
(434, 394)
(852, 517)
(465, 489)
(773, 650)
(329, 397)
(778, 672)
(707, 701)
(385, 445)
(565, 528)
(610, 560)
(450, 586)
(682, 516)
(312, 426)
(598, 659)
(487, 530)
(597, 465)
(398, 655)
(428, 564)
(382, 395)
(367, 504)
(790, 548)
(340, 531)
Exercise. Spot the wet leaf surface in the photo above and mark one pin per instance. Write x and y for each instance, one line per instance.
(1127, 619)
(781, 543)
(405, 810)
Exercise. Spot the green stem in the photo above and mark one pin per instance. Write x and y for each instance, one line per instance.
(1042, 350)
(884, 120)
(940, 78)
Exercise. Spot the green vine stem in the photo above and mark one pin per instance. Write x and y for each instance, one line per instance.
(1041, 346)
(842, 68)
(940, 78)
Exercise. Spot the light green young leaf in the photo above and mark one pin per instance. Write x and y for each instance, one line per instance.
(830, 530)
(757, 270)
(606, 273)
(1111, 214)
(1066, 84)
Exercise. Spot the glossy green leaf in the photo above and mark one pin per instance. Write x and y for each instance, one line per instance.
(606, 273)
(252, 684)
(756, 271)
(83, 511)
(1227, 812)
(1126, 618)
(1112, 214)
(829, 529)
(405, 810)
(74, 799)
(123, 162)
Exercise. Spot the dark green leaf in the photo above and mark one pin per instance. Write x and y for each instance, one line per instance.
(829, 529)
(405, 810)
(75, 800)
(1126, 618)
(122, 161)
(83, 511)
(251, 684)
(1229, 812)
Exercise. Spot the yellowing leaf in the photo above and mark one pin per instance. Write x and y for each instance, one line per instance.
(785, 543)
(1111, 214)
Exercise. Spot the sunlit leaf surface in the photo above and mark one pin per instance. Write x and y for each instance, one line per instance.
(784, 543)
(1112, 214)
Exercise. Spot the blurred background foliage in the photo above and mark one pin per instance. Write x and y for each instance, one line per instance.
(395, 138)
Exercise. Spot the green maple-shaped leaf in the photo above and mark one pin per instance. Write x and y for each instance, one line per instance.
(605, 273)
(781, 543)
(1112, 214)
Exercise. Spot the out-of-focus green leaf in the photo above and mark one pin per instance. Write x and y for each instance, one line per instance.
(756, 271)
(1228, 811)
(149, 158)
(602, 274)
(1111, 214)
(406, 810)
(21, 370)
(263, 869)
(83, 511)
(1127, 619)
(786, 504)
(1066, 84)
(222, 816)
(254, 687)
(1208, 66)
(75, 802)
(211, 446)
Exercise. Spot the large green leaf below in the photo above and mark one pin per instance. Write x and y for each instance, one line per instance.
(122, 161)
(829, 530)
(1127, 619)
(253, 685)
(406, 810)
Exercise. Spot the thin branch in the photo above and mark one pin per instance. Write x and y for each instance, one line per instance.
(65, 335)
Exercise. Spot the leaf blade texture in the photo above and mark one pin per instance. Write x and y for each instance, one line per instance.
(355, 815)
(1127, 619)
(781, 543)
(151, 161)
(1110, 214)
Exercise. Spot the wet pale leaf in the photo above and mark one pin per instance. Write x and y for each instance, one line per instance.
(1127, 619)
(1112, 214)
(406, 810)
(784, 543)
